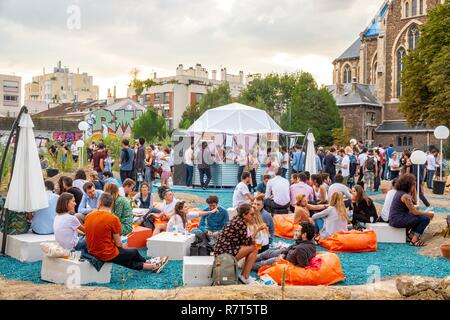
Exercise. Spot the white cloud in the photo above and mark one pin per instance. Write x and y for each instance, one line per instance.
(115, 36)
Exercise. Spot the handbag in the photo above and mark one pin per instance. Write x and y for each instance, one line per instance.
(148, 221)
(202, 245)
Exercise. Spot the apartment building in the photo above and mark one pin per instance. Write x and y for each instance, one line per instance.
(10, 95)
(172, 95)
(60, 86)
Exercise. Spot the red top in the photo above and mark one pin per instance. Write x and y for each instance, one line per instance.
(96, 160)
(99, 228)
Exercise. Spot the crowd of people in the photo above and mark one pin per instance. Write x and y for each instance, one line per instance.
(94, 211)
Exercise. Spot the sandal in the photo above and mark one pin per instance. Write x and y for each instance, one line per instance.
(418, 243)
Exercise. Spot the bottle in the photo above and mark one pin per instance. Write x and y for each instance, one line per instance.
(175, 230)
(350, 215)
(296, 232)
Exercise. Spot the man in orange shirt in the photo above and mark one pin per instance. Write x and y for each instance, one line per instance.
(103, 231)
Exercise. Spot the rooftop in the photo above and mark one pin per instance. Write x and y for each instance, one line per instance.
(361, 94)
(401, 126)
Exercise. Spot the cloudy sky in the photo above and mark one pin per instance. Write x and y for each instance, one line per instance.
(107, 38)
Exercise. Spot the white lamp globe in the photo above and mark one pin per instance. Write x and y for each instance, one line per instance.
(80, 144)
(418, 157)
(441, 132)
(83, 126)
(353, 141)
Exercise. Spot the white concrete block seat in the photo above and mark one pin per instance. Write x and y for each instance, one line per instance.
(197, 271)
(73, 272)
(232, 212)
(387, 234)
(174, 245)
(26, 247)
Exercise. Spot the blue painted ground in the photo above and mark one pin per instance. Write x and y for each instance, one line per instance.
(390, 260)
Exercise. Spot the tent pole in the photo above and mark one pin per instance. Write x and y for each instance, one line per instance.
(306, 149)
(16, 128)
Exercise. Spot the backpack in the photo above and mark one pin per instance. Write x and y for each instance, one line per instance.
(370, 164)
(148, 221)
(353, 164)
(225, 270)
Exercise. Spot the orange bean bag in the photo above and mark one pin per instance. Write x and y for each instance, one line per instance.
(284, 225)
(352, 241)
(329, 271)
(138, 237)
(192, 224)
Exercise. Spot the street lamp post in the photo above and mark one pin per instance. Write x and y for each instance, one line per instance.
(82, 126)
(418, 158)
(441, 133)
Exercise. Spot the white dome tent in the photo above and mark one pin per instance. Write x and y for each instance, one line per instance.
(235, 118)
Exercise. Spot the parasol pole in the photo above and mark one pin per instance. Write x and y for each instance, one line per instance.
(15, 128)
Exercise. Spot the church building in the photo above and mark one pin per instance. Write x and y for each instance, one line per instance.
(367, 77)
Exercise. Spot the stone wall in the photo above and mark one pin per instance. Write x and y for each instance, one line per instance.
(43, 124)
(421, 140)
(354, 119)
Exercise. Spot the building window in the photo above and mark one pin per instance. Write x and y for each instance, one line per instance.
(400, 55)
(413, 37)
(370, 118)
(413, 7)
(405, 141)
(374, 73)
(406, 9)
(420, 7)
(10, 98)
(347, 74)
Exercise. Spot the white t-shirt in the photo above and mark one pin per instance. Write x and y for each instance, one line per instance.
(188, 157)
(261, 237)
(362, 159)
(394, 163)
(242, 159)
(175, 220)
(165, 165)
(168, 208)
(278, 189)
(65, 228)
(285, 158)
(171, 157)
(240, 193)
(387, 204)
(346, 162)
(74, 150)
(431, 162)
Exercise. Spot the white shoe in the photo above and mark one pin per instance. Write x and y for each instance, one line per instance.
(243, 280)
(253, 281)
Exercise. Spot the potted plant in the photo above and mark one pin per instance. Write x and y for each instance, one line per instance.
(445, 250)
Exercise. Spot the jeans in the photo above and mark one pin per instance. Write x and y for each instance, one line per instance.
(271, 205)
(189, 175)
(203, 172)
(420, 225)
(430, 175)
(81, 245)
(240, 172)
(148, 176)
(422, 197)
(394, 174)
(266, 258)
(254, 184)
(125, 174)
(284, 172)
(129, 258)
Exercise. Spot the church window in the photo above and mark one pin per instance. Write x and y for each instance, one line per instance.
(347, 74)
(400, 55)
(413, 7)
(406, 9)
(420, 7)
(413, 37)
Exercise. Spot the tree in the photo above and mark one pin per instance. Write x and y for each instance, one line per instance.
(426, 73)
(215, 97)
(341, 136)
(296, 102)
(150, 126)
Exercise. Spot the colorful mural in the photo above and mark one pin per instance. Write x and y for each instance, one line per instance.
(117, 122)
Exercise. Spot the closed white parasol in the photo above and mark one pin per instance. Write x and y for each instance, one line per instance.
(310, 163)
(26, 191)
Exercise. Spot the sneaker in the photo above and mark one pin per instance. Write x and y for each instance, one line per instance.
(164, 261)
(243, 280)
(253, 281)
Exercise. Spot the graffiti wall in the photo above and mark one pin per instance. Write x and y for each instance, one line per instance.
(117, 122)
(67, 136)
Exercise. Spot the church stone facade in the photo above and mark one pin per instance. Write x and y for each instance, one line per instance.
(367, 77)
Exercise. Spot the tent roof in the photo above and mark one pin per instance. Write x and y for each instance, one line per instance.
(235, 118)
